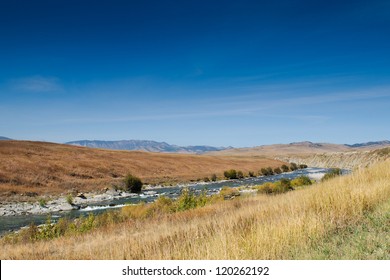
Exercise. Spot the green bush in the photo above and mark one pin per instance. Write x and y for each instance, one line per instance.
(301, 181)
(267, 171)
(42, 202)
(282, 186)
(293, 166)
(334, 172)
(230, 174)
(133, 184)
(85, 224)
(240, 175)
(163, 204)
(302, 166)
(266, 188)
(46, 231)
(188, 200)
(214, 177)
(277, 170)
(285, 168)
(69, 199)
(251, 174)
(228, 193)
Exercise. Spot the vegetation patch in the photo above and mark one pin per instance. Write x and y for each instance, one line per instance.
(334, 172)
(283, 185)
(133, 184)
(331, 214)
(69, 199)
(368, 240)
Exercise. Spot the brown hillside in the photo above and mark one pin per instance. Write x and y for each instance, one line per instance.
(298, 148)
(48, 168)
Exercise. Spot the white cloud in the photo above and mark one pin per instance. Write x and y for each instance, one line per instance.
(37, 84)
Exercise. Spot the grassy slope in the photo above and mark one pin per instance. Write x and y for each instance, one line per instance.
(327, 220)
(297, 149)
(54, 168)
(368, 240)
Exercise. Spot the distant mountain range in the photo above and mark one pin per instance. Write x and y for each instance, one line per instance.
(369, 144)
(163, 147)
(146, 145)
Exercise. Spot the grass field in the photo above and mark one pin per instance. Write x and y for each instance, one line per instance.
(367, 240)
(343, 218)
(48, 168)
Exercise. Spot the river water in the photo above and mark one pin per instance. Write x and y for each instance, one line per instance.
(11, 223)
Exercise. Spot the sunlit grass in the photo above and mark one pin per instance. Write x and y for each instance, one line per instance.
(285, 226)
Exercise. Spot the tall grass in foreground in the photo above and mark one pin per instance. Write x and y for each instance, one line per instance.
(259, 227)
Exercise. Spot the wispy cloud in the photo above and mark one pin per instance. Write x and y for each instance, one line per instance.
(37, 84)
(251, 106)
(275, 95)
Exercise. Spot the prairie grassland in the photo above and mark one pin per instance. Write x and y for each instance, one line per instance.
(48, 168)
(285, 226)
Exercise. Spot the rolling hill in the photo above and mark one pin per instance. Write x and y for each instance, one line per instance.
(302, 148)
(43, 167)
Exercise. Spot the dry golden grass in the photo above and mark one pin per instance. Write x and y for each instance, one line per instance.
(259, 227)
(48, 168)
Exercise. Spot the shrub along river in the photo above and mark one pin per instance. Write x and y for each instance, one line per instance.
(11, 223)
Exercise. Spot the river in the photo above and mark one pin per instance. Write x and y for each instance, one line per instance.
(11, 223)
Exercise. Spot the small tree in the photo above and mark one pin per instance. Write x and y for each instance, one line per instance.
(293, 166)
(133, 184)
(267, 171)
(285, 168)
(277, 170)
(230, 174)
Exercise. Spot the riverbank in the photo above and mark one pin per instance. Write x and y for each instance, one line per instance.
(253, 227)
(60, 204)
(82, 201)
(115, 197)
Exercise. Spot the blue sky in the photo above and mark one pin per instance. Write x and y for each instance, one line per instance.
(222, 73)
